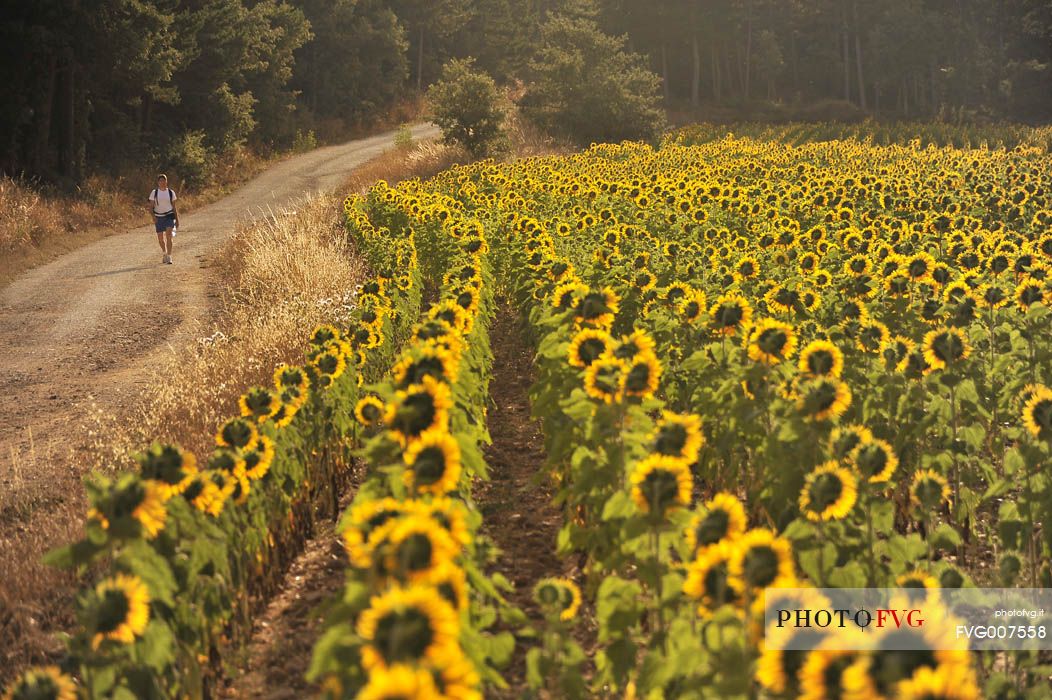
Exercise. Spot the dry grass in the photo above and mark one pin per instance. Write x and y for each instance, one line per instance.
(283, 275)
(420, 160)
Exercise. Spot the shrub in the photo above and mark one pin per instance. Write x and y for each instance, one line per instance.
(588, 89)
(304, 141)
(403, 137)
(467, 107)
(190, 157)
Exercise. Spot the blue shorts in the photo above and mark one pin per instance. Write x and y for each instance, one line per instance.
(165, 222)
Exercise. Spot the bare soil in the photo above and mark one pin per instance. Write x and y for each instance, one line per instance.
(284, 635)
(516, 504)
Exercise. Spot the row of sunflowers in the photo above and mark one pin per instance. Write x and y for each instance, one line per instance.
(187, 548)
(413, 620)
(763, 365)
(917, 134)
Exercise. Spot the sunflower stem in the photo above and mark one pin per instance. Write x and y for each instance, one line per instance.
(953, 447)
(655, 539)
(870, 556)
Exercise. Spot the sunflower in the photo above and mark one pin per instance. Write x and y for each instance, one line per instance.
(131, 505)
(1037, 413)
(692, 306)
(720, 518)
(369, 410)
(944, 348)
(675, 293)
(558, 597)
(929, 489)
(428, 360)
(852, 310)
(451, 516)
(597, 309)
(42, 683)
(565, 296)
(644, 280)
(821, 358)
(920, 266)
(944, 682)
(288, 407)
(823, 398)
(746, 268)
(432, 463)
(418, 408)
(919, 586)
(762, 559)
(260, 403)
(678, 435)
(872, 336)
(288, 377)
(709, 580)
(604, 380)
(588, 345)
(660, 484)
(203, 494)
(259, 459)
(406, 626)
(632, 346)
(771, 341)
(991, 296)
(412, 546)
(330, 364)
(821, 676)
(451, 582)
(232, 482)
(168, 467)
(362, 521)
(325, 333)
(897, 283)
(896, 353)
(399, 682)
(729, 313)
(916, 579)
(642, 375)
(119, 610)
(238, 434)
(900, 654)
(783, 299)
(857, 265)
(778, 668)
(807, 263)
(875, 460)
(829, 493)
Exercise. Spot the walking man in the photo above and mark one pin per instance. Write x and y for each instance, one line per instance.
(166, 218)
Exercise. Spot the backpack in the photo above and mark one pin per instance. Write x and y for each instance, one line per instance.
(171, 201)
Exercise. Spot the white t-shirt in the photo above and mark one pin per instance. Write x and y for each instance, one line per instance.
(163, 203)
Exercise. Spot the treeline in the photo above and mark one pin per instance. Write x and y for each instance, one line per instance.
(109, 82)
(910, 58)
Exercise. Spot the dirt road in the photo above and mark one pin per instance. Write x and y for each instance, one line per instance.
(83, 329)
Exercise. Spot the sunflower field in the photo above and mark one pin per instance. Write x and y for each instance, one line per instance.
(757, 365)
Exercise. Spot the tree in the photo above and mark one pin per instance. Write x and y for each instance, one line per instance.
(587, 88)
(431, 26)
(356, 64)
(466, 106)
